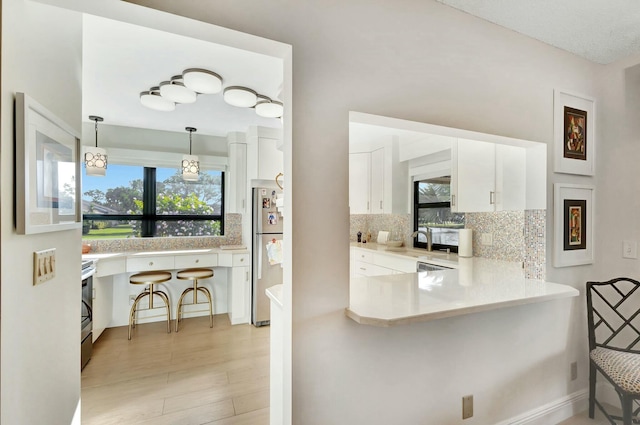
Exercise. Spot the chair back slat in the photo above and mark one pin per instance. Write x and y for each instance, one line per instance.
(613, 314)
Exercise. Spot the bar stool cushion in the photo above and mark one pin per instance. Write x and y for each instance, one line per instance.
(194, 274)
(150, 277)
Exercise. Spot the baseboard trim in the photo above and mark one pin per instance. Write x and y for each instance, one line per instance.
(553, 412)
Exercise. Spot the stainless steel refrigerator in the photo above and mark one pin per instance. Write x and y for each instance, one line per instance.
(267, 252)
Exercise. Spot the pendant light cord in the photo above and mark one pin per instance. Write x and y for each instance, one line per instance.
(96, 133)
(190, 130)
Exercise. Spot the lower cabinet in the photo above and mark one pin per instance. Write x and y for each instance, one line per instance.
(239, 295)
(102, 304)
(365, 262)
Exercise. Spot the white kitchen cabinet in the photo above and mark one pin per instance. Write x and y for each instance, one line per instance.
(236, 190)
(270, 158)
(359, 182)
(378, 181)
(365, 263)
(239, 295)
(102, 304)
(378, 171)
(487, 177)
(264, 160)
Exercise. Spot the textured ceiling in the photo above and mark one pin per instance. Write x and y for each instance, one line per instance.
(602, 31)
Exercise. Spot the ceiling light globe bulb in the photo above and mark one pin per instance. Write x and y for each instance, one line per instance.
(152, 100)
(270, 109)
(202, 81)
(240, 96)
(175, 91)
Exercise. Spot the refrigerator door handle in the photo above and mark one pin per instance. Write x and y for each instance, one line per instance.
(259, 249)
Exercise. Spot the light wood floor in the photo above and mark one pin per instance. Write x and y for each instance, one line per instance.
(200, 375)
(197, 376)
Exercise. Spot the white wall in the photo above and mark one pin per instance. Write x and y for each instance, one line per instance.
(421, 61)
(40, 328)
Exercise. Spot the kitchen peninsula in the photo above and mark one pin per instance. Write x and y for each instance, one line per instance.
(231, 284)
(471, 285)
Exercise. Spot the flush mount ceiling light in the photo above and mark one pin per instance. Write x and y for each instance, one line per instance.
(95, 158)
(152, 99)
(193, 81)
(240, 96)
(202, 81)
(269, 108)
(175, 91)
(190, 163)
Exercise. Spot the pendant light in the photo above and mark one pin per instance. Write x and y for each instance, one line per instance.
(95, 158)
(152, 99)
(190, 163)
(175, 91)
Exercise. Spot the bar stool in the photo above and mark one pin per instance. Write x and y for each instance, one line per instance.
(194, 274)
(149, 278)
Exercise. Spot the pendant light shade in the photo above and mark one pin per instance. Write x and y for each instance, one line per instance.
(95, 158)
(269, 108)
(240, 96)
(202, 80)
(175, 91)
(190, 163)
(152, 99)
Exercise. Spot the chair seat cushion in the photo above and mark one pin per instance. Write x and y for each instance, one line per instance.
(623, 368)
(194, 274)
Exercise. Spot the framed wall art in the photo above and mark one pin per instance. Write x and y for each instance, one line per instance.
(47, 170)
(574, 133)
(573, 224)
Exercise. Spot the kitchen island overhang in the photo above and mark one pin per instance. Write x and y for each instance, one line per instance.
(478, 285)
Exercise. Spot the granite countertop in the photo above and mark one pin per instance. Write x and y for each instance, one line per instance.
(477, 285)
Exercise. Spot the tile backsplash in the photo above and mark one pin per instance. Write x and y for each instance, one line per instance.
(232, 236)
(517, 235)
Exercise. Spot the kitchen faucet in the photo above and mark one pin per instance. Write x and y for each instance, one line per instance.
(427, 234)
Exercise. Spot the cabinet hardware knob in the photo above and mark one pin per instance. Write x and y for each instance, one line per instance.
(151, 263)
(197, 261)
(241, 260)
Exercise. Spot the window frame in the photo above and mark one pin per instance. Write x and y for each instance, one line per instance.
(149, 218)
(424, 205)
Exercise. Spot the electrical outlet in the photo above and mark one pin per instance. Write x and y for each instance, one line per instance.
(132, 298)
(629, 249)
(486, 239)
(44, 265)
(574, 371)
(467, 406)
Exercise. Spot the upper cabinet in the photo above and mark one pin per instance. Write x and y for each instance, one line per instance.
(264, 158)
(377, 179)
(488, 172)
(487, 176)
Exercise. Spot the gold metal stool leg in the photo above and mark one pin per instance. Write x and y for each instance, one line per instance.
(148, 292)
(195, 289)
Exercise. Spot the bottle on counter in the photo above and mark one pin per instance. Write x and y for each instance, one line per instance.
(368, 236)
(359, 237)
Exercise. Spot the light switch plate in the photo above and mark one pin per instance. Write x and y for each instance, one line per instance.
(44, 265)
(629, 249)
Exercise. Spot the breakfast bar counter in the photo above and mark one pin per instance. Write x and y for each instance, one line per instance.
(477, 285)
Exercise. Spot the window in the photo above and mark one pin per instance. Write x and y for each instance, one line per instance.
(135, 201)
(432, 209)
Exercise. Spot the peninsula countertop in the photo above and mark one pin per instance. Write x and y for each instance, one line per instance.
(477, 285)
